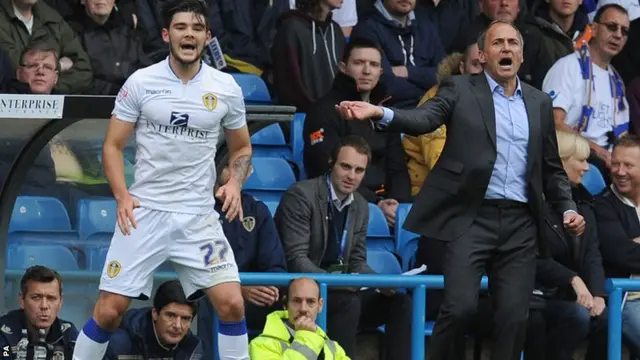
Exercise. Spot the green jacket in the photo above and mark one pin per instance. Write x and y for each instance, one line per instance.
(47, 23)
(279, 341)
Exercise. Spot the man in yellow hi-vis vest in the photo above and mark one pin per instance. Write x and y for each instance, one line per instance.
(292, 334)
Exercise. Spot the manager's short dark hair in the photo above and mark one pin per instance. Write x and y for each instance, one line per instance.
(171, 292)
(41, 274)
(627, 141)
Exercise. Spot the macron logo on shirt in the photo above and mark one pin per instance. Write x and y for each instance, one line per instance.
(179, 119)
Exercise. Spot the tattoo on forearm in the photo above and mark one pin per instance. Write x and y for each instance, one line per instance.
(241, 168)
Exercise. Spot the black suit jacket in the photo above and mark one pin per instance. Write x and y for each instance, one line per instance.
(454, 190)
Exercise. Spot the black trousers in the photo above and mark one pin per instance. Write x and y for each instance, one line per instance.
(350, 311)
(501, 242)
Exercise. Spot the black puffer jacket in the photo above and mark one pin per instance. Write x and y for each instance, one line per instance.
(114, 49)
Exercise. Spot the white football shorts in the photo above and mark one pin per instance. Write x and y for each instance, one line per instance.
(194, 244)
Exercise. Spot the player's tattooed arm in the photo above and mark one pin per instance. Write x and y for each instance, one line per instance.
(241, 167)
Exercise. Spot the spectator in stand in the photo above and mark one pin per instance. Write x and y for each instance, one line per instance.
(424, 151)
(293, 333)
(386, 181)
(633, 95)
(40, 301)
(112, 44)
(308, 46)
(411, 49)
(245, 30)
(451, 17)
(587, 92)
(626, 63)
(256, 248)
(38, 71)
(346, 16)
(323, 226)
(560, 22)
(571, 278)
(7, 74)
(159, 332)
(24, 21)
(536, 60)
(618, 218)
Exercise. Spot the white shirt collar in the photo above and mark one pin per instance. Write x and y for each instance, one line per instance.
(334, 198)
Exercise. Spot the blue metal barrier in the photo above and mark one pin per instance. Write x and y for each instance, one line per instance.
(616, 289)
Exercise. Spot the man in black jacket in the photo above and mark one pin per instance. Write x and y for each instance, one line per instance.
(386, 181)
(618, 217)
(113, 46)
(40, 302)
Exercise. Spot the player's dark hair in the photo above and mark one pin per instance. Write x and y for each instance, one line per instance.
(41, 45)
(41, 274)
(601, 11)
(171, 292)
(198, 7)
(628, 141)
(357, 142)
(359, 43)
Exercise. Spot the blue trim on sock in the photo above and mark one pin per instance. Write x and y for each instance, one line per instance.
(94, 332)
(237, 328)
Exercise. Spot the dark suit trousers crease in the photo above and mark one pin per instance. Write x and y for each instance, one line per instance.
(502, 242)
(349, 312)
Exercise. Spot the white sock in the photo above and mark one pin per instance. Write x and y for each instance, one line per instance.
(233, 342)
(92, 342)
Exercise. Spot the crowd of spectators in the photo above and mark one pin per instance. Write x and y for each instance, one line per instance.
(315, 53)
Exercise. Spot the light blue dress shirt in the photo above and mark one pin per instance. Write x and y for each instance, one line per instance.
(509, 176)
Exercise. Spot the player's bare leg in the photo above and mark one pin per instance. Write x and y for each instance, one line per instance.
(233, 342)
(94, 338)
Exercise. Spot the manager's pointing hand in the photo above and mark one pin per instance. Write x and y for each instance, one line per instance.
(359, 110)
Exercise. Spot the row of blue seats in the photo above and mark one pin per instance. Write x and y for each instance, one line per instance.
(44, 221)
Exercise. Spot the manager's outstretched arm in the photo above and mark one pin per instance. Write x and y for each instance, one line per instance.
(423, 120)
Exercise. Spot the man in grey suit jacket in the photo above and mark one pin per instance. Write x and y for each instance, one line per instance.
(322, 224)
(484, 197)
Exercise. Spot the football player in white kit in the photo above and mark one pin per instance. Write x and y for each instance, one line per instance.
(177, 109)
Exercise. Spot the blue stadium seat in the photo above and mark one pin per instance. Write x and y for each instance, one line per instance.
(383, 262)
(272, 205)
(402, 236)
(95, 216)
(378, 234)
(297, 142)
(53, 256)
(96, 257)
(377, 223)
(271, 177)
(270, 142)
(593, 180)
(63, 238)
(34, 213)
(253, 88)
(408, 254)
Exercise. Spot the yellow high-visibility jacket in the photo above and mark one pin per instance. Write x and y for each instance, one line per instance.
(279, 341)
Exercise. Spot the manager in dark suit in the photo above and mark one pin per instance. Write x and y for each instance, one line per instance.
(485, 195)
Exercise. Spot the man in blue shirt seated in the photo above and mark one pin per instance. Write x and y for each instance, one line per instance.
(36, 323)
(256, 247)
(161, 332)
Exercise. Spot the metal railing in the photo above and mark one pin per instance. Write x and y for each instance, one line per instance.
(616, 289)
(418, 283)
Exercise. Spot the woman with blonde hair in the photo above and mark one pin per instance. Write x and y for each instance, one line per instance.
(570, 277)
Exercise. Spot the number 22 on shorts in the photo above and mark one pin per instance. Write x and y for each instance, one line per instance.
(218, 246)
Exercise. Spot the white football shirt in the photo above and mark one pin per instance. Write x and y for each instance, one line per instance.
(176, 134)
(567, 88)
